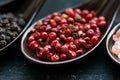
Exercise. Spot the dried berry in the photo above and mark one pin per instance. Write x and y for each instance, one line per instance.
(8, 39)
(3, 43)
(21, 22)
(2, 30)
(2, 37)
(67, 35)
(10, 27)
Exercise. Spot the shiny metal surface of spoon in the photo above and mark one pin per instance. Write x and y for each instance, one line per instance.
(110, 42)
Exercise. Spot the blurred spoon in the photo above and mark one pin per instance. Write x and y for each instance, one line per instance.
(110, 42)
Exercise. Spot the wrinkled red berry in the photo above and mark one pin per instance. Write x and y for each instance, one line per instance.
(45, 50)
(89, 16)
(32, 30)
(85, 12)
(49, 56)
(37, 35)
(39, 23)
(44, 35)
(58, 47)
(31, 38)
(54, 24)
(76, 42)
(41, 55)
(94, 39)
(63, 56)
(80, 52)
(64, 48)
(90, 32)
(65, 16)
(87, 26)
(63, 21)
(101, 18)
(71, 54)
(97, 32)
(49, 47)
(33, 45)
(82, 42)
(83, 20)
(70, 12)
(57, 19)
(72, 47)
(54, 42)
(88, 45)
(101, 24)
(78, 11)
(62, 36)
(55, 58)
(69, 39)
(70, 20)
(41, 28)
(67, 32)
(93, 26)
(55, 14)
(52, 35)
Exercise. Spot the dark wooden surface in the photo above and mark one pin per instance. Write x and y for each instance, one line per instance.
(98, 66)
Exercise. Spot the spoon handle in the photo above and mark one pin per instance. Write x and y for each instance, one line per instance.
(34, 4)
(97, 5)
(111, 7)
(111, 10)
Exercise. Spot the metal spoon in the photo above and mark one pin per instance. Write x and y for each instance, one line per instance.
(110, 43)
(28, 8)
(102, 7)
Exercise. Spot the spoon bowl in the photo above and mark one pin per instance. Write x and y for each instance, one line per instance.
(102, 7)
(28, 8)
(110, 43)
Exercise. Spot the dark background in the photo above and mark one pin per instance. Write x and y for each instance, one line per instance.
(98, 66)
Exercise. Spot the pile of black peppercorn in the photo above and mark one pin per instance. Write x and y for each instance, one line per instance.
(10, 27)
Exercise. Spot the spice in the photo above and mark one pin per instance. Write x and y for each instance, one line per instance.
(10, 27)
(116, 47)
(65, 35)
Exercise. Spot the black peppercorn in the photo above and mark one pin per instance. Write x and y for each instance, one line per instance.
(5, 21)
(13, 35)
(19, 30)
(2, 37)
(14, 27)
(0, 25)
(21, 22)
(10, 27)
(2, 30)
(20, 16)
(3, 16)
(8, 39)
(7, 25)
(3, 43)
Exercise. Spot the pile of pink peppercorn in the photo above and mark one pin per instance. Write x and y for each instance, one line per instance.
(64, 36)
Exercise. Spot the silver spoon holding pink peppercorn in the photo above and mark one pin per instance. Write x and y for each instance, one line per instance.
(112, 44)
(69, 35)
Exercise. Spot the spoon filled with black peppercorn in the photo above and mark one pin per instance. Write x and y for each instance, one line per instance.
(14, 20)
(10, 27)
